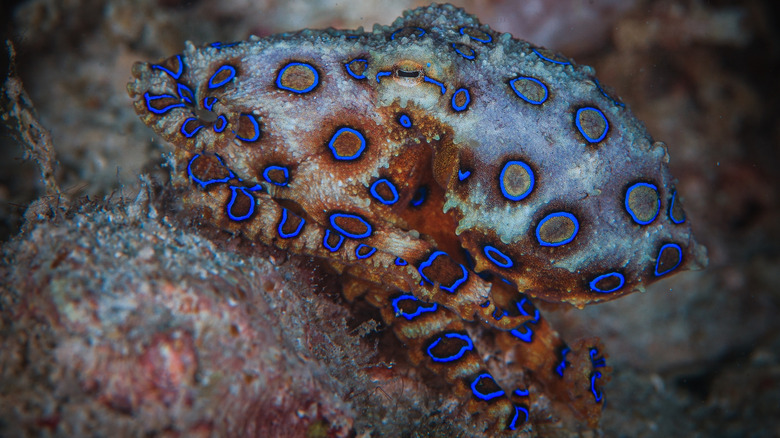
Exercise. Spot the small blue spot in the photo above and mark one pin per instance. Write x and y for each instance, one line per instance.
(231, 74)
(335, 247)
(267, 176)
(314, 83)
(522, 392)
(526, 335)
(382, 73)
(497, 257)
(187, 133)
(463, 174)
(465, 104)
(668, 247)
(341, 131)
(419, 196)
(487, 38)
(341, 230)
(518, 411)
(233, 196)
(348, 66)
(203, 183)
(178, 73)
(185, 93)
(671, 210)
(588, 137)
(554, 61)
(208, 102)
(465, 348)
(149, 98)
(255, 127)
(282, 222)
(597, 395)
(220, 124)
(400, 262)
(390, 186)
(405, 121)
(483, 396)
(364, 251)
(451, 289)
(529, 99)
(421, 307)
(435, 82)
(595, 287)
(464, 51)
(418, 32)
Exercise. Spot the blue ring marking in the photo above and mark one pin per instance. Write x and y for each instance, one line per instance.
(489, 38)
(208, 105)
(392, 36)
(429, 262)
(463, 174)
(550, 59)
(553, 215)
(597, 395)
(598, 85)
(405, 121)
(371, 251)
(182, 89)
(631, 212)
(523, 96)
(223, 126)
(521, 308)
(518, 410)
(220, 45)
(522, 392)
(661, 252)
(562, 365)
(232, 74)
(400, 262)
(332, 248)
(297, 231)
(579, 126)
(671, 209)
(305, 90)
(267, 178)
(184, 128)
(420, 308)
(255, 125)
(382, 73)
(351, 73)
(485, 304)
(594, 282)
(465, 105)
(491, 252)
(468, 347)
(525, 337)
(435, 82)
(419, 196)
(530, 184)
(176, 75)
(333, 224)
(202, 183)
(378, 197)
(148, 97)
(488, 396)
(350, 157)
(595, 360)
(234, 194)
(469, 57)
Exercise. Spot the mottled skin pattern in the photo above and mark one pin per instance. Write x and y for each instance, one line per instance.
(454, 171)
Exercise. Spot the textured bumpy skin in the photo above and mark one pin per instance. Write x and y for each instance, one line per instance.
(457, 170)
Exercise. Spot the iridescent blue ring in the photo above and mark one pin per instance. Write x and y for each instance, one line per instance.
(353, 74)
(618, 275)
(468, 347)
(347, 157)
(255, 125)
(488, 396)
(531, 182)
(295, 233)
(666, 247)
(233, 195)
(465, 105)
(230, 76)
(491, 252)
(305, 90)
(344, 232)
(554, 215)
(582, 131)
(421, 308)
(523, 96)
(284, 170)
(390, 186)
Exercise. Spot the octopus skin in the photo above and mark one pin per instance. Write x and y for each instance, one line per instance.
(451, 173)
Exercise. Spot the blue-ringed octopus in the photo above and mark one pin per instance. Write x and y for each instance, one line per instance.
(454, 175)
